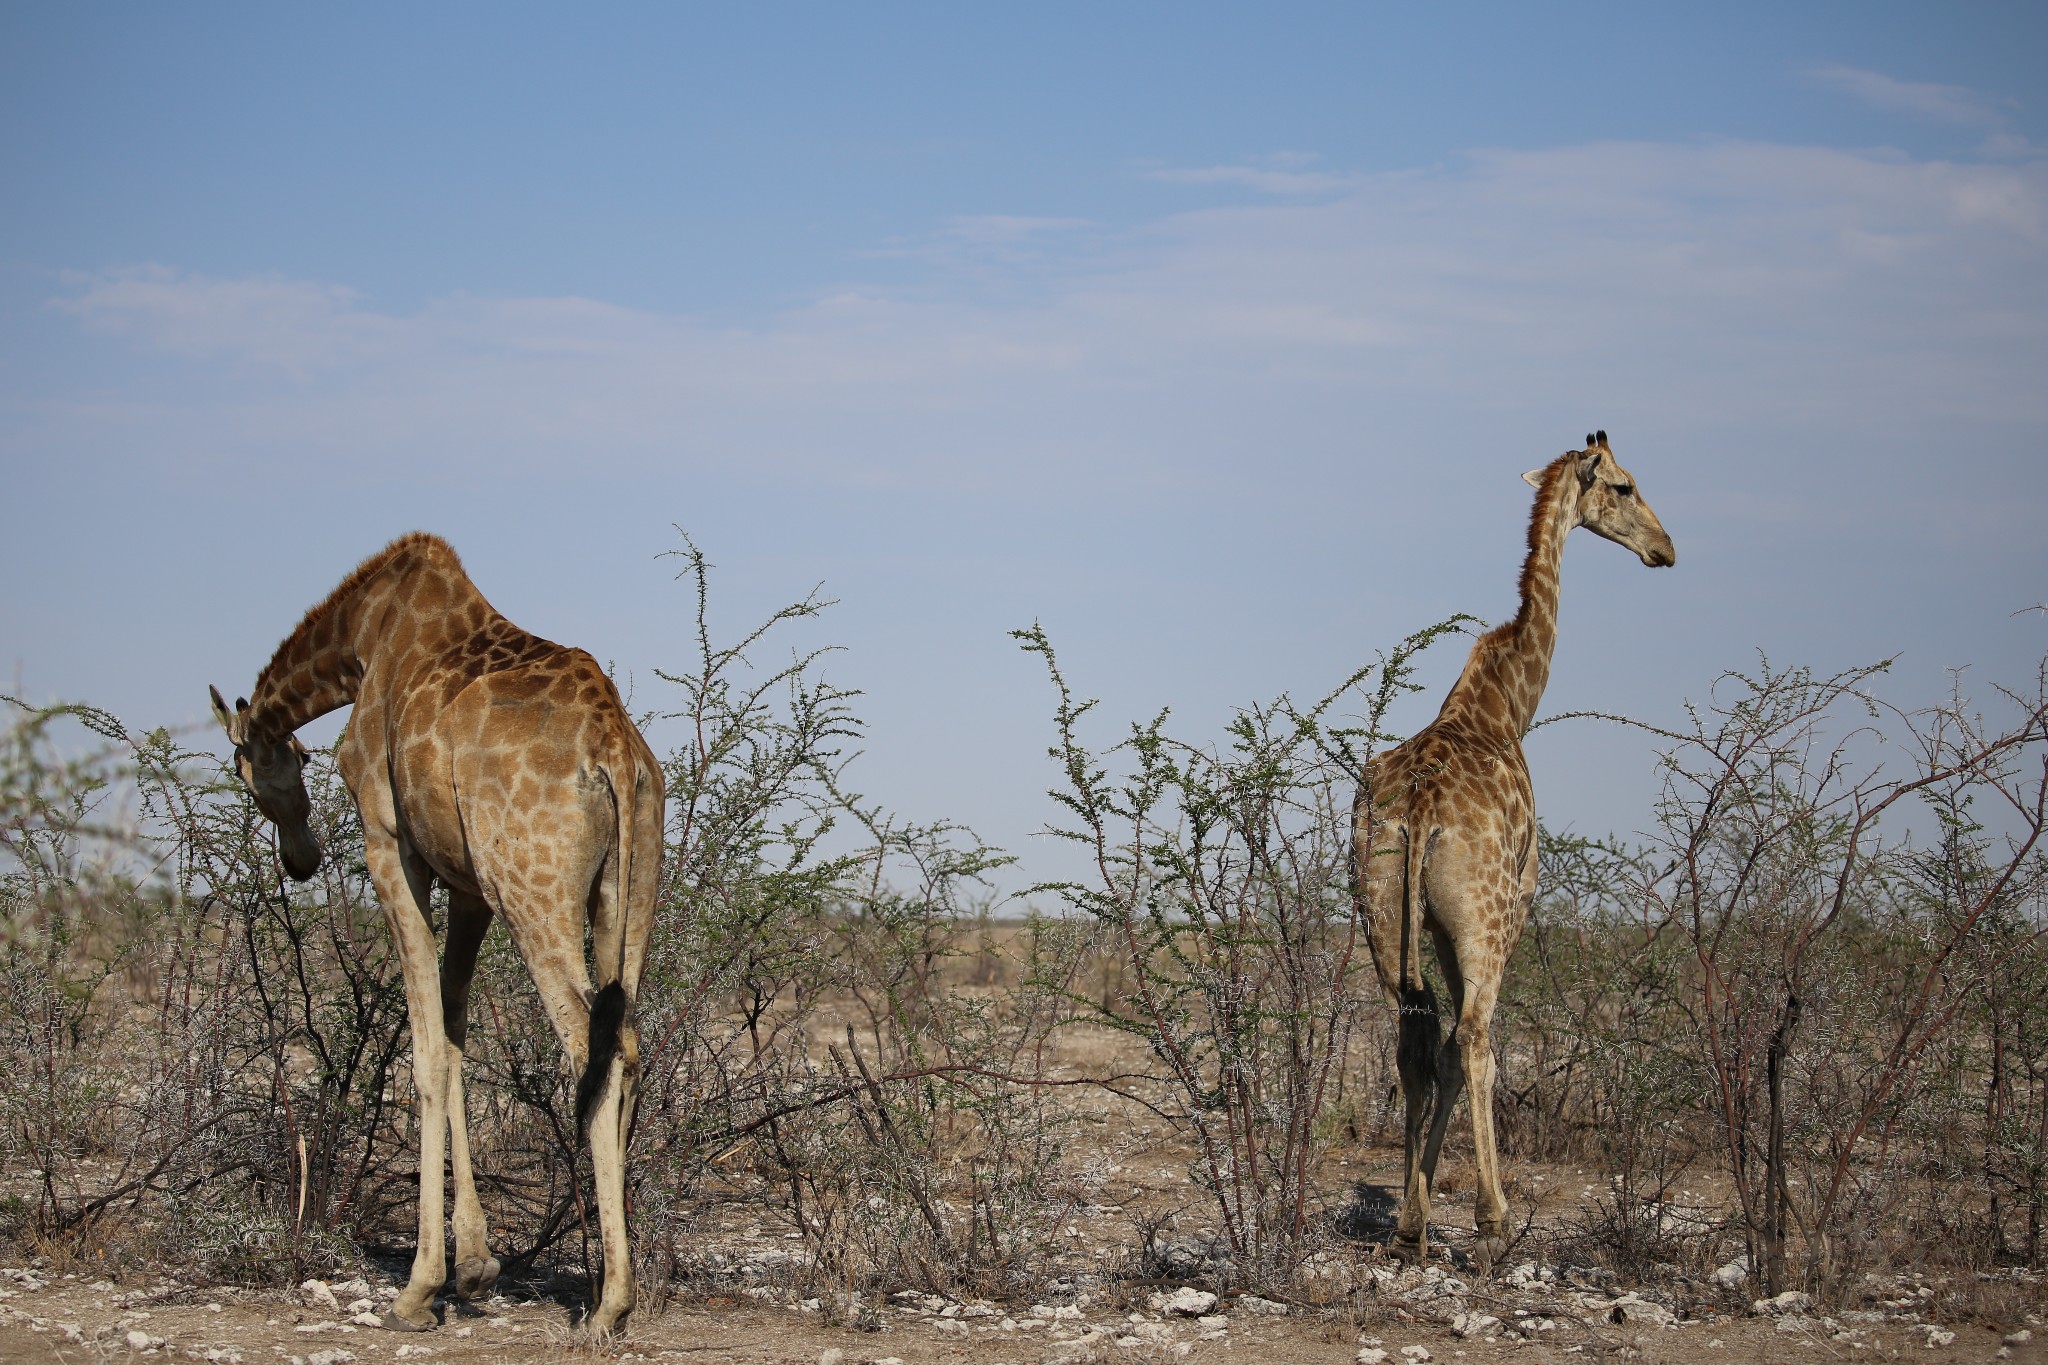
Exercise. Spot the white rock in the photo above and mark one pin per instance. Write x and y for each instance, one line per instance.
(1417, 1353)
(1370, 1355)
(1085, 1349)
(1634, 1308)
(1213, 1320)
(1795, 1322)
(1938, 1336)
(1473, 1324)
(2019, 1338)
(413, 1349)
(1185, 1302)
(1791, 1301)
(1252, 1303)
(333, 1355)
(831, 1355)
(367, 1319)
(951, 1327)
(138, 1341)
(1732, 1276)
(317, 1292)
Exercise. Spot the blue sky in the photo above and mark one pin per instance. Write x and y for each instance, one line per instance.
(1214, 338)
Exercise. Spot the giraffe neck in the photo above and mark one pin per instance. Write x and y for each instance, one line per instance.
(320, 665)
(1509, 666)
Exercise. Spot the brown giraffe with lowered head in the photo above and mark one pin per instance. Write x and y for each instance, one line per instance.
(505, 767)
(1444, 838)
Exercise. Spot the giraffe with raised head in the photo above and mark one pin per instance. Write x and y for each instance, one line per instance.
(504, 767)
(1444, 840)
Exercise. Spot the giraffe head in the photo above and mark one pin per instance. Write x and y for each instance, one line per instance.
(1611, 506)
(274, 770)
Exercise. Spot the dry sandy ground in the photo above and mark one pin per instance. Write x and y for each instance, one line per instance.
(75, 1319)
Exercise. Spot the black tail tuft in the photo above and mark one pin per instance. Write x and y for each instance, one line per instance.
(1421, 1035)
(607, 1016)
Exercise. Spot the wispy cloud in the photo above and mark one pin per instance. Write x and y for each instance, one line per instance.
(1945, 103)
(1677, 279)
(1955, 105)
(1006, 228)
(1282, 174)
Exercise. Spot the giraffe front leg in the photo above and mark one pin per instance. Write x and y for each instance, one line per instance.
(403, 889)
(476, 1270)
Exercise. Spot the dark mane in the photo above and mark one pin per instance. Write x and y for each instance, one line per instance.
(419, 544)
(1554, 475)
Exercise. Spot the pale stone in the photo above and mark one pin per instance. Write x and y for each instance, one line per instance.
(1473, 1324)
(1185, 1302)
(1732, 1276)
(1634, 1308)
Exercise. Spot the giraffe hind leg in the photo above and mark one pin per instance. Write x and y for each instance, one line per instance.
(469, 917)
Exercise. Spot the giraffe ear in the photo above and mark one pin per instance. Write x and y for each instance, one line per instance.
(230, 721)
(1534, 478)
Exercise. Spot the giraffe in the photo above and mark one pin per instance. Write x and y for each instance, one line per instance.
(1444, 839)
(504, 767)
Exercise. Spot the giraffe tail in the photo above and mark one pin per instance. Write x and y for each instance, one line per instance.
(1420, 1035)
(1416, 853)
(609, 1007)
(607, 1018)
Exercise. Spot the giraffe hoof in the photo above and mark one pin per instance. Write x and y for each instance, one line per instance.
(1487, 1253)
(395, 1322)
(1413, 1250)
(475, 1277)
(599, 1329)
